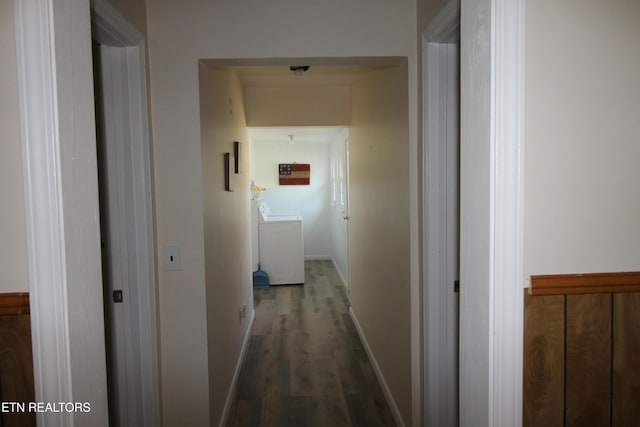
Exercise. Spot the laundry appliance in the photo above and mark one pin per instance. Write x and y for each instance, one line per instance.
(281, 246)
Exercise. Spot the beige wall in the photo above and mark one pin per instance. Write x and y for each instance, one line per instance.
(227, 227)
(297, 106)
(379, 225)
(179, 36)
(13, 251)
(582, 136)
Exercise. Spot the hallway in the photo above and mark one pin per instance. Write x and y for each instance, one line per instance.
(305, 365)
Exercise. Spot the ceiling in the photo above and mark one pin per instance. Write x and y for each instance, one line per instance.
(278, 75)
(317, 75)
(275, 72)
(301, 134)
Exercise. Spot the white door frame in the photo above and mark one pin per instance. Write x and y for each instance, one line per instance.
(492, 191)
(346, 215)
(53, 47)
(440, 164)
(491, 222)
(55, 89)
(122, 58)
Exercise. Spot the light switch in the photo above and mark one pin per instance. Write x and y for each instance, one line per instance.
(172, 258)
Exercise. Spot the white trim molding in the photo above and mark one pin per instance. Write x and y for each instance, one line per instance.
(343, 280)
(445, 27)
(110, 28)
(491, 221)
(43, 199)
(507, 222)
(53, 46)
(376, 368)
(231, 395)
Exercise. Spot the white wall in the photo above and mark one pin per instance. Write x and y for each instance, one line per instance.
(180, 35)
(13, 252)
(582, 204)
(227, 245)
(310, 201)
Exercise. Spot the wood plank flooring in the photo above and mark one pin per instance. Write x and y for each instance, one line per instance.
(305, 365)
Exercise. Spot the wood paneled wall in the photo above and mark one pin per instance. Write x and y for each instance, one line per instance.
(582, 359)
(16, 358)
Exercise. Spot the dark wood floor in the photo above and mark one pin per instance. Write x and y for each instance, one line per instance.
(305, 365)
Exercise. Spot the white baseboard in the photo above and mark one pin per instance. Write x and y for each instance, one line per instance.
(317, 257)
(231, 395)
(340, 275)
(383, 384)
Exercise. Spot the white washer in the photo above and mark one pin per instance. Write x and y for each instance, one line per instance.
(281, 246)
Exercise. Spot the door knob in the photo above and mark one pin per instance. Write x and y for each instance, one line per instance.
(345, 217)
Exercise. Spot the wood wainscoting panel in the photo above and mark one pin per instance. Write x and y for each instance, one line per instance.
(589, 283)
(543, 392)
(626, 359)
(16, 368)
(588, 364)
(14, 303)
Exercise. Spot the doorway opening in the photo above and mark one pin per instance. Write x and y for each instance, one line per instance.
(322, 204)
(363, 94)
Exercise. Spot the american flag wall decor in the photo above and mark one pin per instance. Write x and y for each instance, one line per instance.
(294, 173)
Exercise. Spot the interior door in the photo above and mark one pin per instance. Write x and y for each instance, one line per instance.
(453, 223)
(441, 211)
(130, 363)
(340, 205)
(114, 272)
(346, 210)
